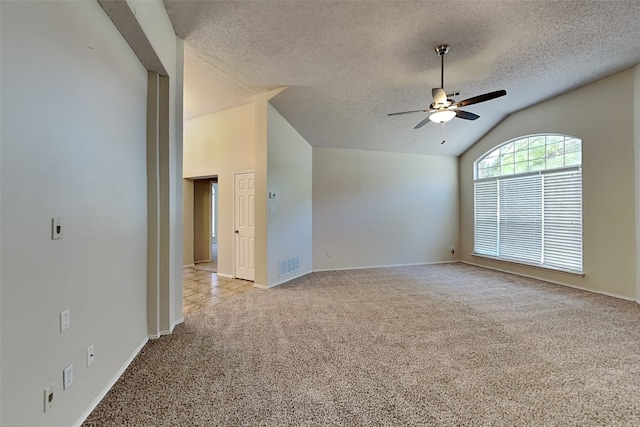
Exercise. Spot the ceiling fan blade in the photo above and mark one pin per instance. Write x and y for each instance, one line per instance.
(439, 95)
(466, 115)
(481, 98)
(422, 123)
(407, 112)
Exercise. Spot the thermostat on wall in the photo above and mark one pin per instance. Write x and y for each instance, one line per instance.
(272, 195)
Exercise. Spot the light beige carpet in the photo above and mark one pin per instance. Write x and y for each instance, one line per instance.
(427, 345)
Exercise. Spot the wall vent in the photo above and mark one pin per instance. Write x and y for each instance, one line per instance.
(288, 266)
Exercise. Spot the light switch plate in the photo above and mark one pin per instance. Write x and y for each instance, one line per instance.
(67, 377)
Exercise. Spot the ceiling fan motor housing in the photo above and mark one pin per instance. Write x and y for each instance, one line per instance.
(442, 49)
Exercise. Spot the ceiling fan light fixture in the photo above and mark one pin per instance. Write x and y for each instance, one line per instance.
(443, 107)
(442, 116)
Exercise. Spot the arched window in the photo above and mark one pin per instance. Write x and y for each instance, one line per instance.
(528, 202)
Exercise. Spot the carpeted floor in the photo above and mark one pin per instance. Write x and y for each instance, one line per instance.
(444, 344)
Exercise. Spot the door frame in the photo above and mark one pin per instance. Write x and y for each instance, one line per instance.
(202, 223)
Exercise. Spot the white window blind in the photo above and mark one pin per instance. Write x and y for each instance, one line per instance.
(534, 219)
(486, 224)
(520, 218)
(563, 220)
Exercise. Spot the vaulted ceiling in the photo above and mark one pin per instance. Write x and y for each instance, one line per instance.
(348, 63)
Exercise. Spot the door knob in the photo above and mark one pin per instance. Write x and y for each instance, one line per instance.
(237, 232)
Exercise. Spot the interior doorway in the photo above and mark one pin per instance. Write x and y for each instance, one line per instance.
(205, 223)
(214, 224)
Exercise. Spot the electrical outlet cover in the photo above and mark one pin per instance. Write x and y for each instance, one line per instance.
(56, 228)
(90, 355)
(48, 397)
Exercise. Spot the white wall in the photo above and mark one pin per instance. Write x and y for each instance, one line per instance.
(289, 227)
(175, 161)
(607, 135)
(73, 145)
(636, 131)
(152, 18)
(375, 208)
(221, 144)
(261, 219)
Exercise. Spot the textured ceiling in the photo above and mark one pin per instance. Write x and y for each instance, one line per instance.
(349, 63)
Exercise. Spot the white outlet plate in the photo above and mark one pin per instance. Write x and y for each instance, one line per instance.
(90, 355)
(48, 397)
(56, 228)
(67, 377)
(65, 320)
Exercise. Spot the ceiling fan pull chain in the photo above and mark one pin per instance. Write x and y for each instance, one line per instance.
(444, 134)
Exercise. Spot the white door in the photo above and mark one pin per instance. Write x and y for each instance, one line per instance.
(245, 225)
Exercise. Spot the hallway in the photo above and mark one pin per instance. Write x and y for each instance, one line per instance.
(203, 288)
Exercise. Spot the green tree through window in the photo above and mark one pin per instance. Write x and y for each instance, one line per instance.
(530, 154)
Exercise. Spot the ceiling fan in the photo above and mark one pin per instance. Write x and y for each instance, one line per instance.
(443, 108)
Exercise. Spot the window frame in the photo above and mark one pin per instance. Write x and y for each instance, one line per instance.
(513, 141)
(513, 175)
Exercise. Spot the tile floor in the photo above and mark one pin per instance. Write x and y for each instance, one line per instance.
(202, 288)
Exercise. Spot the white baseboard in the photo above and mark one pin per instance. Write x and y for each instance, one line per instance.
(288, 279)
(388, 266)
(167, 332)
(188, 265)
(173, 325)
(110, 384)
(228, 276)
(555, 282)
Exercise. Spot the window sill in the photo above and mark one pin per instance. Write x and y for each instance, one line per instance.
(539, 267)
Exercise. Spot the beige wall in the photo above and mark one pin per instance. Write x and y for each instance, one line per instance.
(221, 144)
(289, 176)
(261, 153)
(73, 145)
(607, 135)
(374, 208)
(187, 221)
(260, 137)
